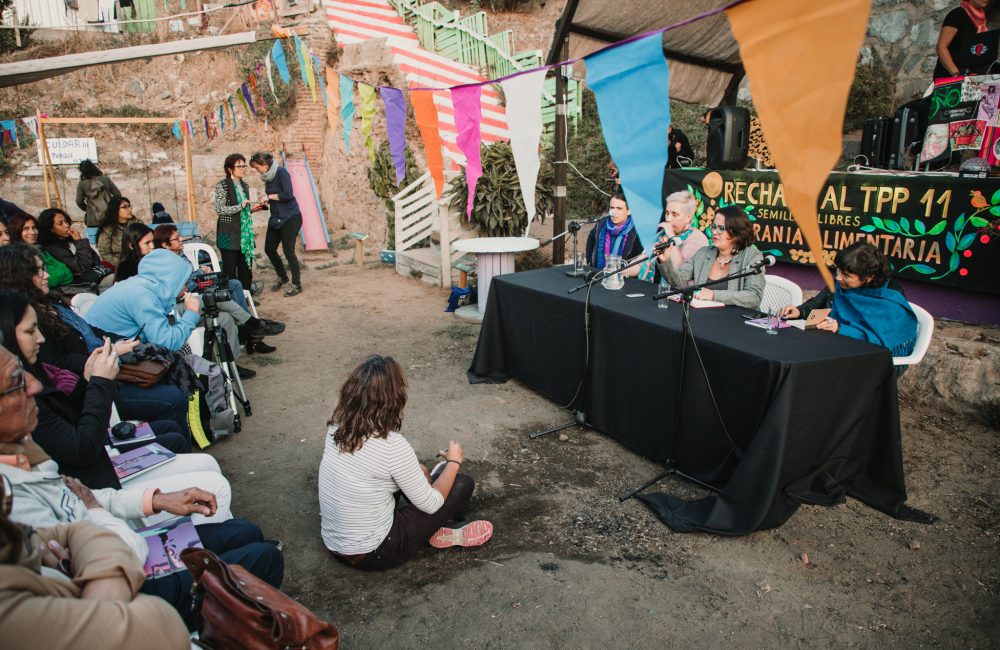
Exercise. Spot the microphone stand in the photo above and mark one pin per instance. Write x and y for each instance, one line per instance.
(574, 228)
(671, 466)
(579, 417)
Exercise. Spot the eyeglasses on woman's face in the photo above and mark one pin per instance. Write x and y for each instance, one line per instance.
(719, 227)
(125, 206)
(42, 271)
(239, 165)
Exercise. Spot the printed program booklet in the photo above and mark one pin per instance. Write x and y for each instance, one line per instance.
(166, 540)
(141, 460)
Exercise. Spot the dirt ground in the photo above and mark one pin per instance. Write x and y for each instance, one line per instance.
(569, 566)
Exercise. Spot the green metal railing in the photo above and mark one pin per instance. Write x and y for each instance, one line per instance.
(467, 40)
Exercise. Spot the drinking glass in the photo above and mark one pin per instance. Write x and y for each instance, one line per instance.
(773, 320)
(663, 288)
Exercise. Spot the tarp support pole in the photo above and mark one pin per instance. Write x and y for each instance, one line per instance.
(187, 171)
(559, 211)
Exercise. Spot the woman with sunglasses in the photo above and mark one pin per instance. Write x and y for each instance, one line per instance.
(234, 232)
(112, 231)
(732, 252)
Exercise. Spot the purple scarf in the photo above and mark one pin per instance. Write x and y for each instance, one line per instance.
(63, 380)
(611, 240)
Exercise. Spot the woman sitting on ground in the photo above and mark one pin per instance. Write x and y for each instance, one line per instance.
(367, 462)
(732, 252)
(73, 411)
(865, 307)
(137, 241)
(69, 341)
(614, 235)
(24, 228)
(110, 236)
(58, 237)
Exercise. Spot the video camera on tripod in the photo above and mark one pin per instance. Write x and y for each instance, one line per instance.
(213, 288)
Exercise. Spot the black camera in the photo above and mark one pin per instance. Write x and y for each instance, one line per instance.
(214, 288)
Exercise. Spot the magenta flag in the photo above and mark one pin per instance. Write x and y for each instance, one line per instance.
(465, 101)
(395, 127)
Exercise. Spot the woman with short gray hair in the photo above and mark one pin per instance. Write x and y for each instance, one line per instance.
(285, 223)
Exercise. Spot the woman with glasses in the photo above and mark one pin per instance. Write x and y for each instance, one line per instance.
(109, 238)
(732, 252)
(234, 232)
(24, 228)
(60, 239)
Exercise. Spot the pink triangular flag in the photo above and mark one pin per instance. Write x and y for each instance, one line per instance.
(468, 109)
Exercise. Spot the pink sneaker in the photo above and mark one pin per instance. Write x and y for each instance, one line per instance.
(474, 533)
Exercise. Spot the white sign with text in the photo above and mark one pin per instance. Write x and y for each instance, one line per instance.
(69, 151)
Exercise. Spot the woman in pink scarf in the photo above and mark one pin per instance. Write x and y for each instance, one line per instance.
(960, 24)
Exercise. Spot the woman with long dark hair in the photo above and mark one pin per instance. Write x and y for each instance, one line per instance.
(74, 411)
(110, 236)
(24, 228)
(93, 193)
(69, 340)
(59, 238)
(367, 463)
(285, 223)
(137, 241)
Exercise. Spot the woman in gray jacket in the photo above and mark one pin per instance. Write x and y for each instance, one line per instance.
(731, 253)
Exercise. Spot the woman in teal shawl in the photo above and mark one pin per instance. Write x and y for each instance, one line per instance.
(864, 307)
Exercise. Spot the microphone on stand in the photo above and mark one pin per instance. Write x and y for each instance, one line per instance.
(572, 227)
(769, 260)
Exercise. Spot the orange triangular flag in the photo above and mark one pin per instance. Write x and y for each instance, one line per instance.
(427, 121)
(332, 97)
(800, 59)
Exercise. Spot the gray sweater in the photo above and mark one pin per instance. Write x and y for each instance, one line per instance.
(743, 292)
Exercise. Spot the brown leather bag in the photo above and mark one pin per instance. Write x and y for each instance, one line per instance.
(239, 610)
(143, 373)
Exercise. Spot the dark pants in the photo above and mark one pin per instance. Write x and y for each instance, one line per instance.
(411, 528)
(236, 541)
(235, 267)
(160, 402)
(168, 434)
(286, 236)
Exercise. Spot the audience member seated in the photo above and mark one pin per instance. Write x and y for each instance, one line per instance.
(865, 307)
(69, 340)
(110, 236)
(367, 463)
(4, 234)
(137, 241)
(732, 252)
(58, 237)
(676, 225)
(24, 229)
(252, 330)
(74, 411)
(43, 499)
(160, 215)
(614, 235)
(77, 586)
(8, 209)
(142, 305)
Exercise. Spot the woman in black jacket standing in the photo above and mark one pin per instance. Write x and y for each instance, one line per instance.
(286, 220)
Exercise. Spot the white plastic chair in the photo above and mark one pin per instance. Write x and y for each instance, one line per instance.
(192, 250)
(779, 292)
(82, 302)
(197, 341)
(925, 329)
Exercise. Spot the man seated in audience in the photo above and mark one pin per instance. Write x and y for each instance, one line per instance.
(143, 304)
(42, 498)
(252, 329)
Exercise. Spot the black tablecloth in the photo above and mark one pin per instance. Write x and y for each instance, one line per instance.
(813, 416)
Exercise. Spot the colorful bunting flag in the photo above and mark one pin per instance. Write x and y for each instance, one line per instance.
(332, 97)
(819, 50)
(367, 95)
(176, 130)
(256, 94)
(425, 113)
(347, 109)
(635, 131)
(247, 100)
(32, 124)
(208, 132)
(232, 112)
(395, 127)
(523, 97)
(278, 54)
(270, 79)
(467, 104)
(301, 53)
(10, 127)
(222, 119)
(319, 77)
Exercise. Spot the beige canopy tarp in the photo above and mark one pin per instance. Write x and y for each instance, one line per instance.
(704, 57)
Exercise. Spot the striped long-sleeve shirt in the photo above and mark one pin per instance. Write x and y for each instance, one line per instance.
(356, 491)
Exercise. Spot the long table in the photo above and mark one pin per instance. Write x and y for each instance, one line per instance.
(812, 416)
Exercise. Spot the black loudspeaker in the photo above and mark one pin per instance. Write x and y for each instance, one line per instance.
(875, 141)
(905, 132)
(728, 137)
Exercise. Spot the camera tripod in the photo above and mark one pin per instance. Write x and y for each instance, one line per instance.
(217, 341)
